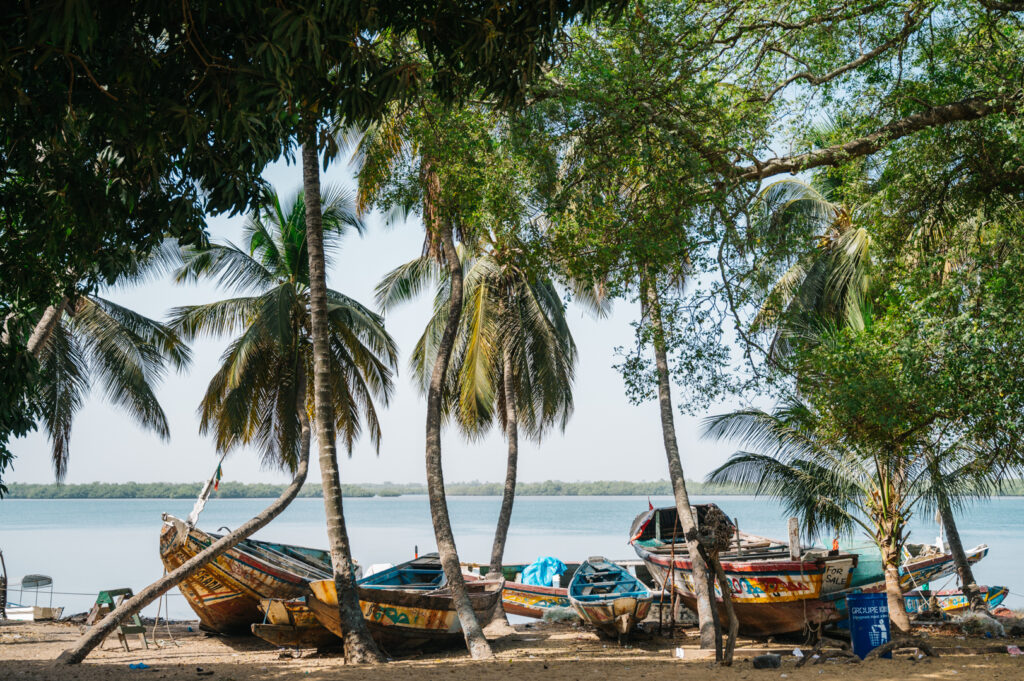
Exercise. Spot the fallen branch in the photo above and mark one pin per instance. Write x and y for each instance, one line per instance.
(903, 642)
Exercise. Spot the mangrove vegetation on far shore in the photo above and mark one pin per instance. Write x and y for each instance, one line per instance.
(238, 490)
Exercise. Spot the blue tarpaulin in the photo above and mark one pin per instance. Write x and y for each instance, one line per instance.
(543, 571)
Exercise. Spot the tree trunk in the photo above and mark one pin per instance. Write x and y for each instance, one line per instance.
(98, 632)
(509, 494)
(44, 327)
(956, 547)
(441, 229)
(705, 598)
(359, 645)
(897, 611)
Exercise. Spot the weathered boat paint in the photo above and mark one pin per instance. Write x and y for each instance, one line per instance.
(288, 636)
(914, 572)
(225, 593)
(953, 601)
(292, 612)
(529, 600)
(402, 620)
(771, 594)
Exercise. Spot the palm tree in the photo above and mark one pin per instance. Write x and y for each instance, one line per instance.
(359, 645)
(829, 483)
(514, 355)
(830, 283)
(260, 396)
(361, 354)
(94, 339)
(405, 142)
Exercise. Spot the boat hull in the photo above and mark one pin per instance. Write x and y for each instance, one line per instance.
(616, 617)
(529, 600)
(954, 601)
(225, 593)
(288, 636)
(405, 620)
(769, 597)
(607, 597)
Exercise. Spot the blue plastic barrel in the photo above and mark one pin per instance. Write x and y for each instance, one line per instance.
(869, 622)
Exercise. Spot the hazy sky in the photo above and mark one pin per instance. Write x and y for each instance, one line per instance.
(606, 439)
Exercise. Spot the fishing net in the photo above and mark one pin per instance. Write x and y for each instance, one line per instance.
(559, 614)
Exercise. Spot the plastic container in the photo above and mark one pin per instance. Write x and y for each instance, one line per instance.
(869, 622)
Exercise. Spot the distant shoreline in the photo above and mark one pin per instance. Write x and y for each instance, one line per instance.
(237, 490)
(234, 490)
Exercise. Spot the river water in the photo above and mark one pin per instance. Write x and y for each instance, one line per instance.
(91, 544)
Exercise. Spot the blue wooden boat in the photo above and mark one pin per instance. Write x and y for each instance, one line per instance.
(408, 606)
(608, 597)
(423, 573)
(952, 601)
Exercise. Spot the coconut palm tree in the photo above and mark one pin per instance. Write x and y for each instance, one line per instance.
(702, 574)
(253, 396)
(409, 143)
(514, 356)
(92, 339)
(832, 485)
(828, 280)
(830, 283)
(361, 355)
(261, 394)
(359, 645)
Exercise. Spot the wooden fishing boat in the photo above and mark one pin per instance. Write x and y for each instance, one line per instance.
(407, 606)
(526, 600)
(608, 597)
(530, 600)
(292, 624)
(775, 588)
(226, 592)
(921, 563)
(952, 601)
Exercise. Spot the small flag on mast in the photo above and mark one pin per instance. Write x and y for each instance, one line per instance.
(216, 478)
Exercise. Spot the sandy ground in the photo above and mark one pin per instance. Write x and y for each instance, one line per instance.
(559, 652)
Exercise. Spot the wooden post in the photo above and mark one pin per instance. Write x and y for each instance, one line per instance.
(672, 583)
(794, 539)
(3, 587)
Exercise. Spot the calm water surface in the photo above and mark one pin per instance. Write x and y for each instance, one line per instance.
(92, 544)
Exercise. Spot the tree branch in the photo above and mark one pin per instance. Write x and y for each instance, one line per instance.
(965, 110)
(911, 21)
(1011, 6)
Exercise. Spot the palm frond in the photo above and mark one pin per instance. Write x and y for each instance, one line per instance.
(406, 282)
(126, 363)
(227, 265)
(215, 319)
(60, 393)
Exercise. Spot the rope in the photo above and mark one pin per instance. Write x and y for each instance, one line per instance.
(162, 603)
(92, 593)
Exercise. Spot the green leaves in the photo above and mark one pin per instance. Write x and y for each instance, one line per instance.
(262, 388)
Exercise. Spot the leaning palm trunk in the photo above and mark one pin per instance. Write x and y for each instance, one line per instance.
(956, 547)
(705, 606)
(358, 644)
(442, 230)
(963, 566)
(509, 494)
(98, 632)
(44, 327)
